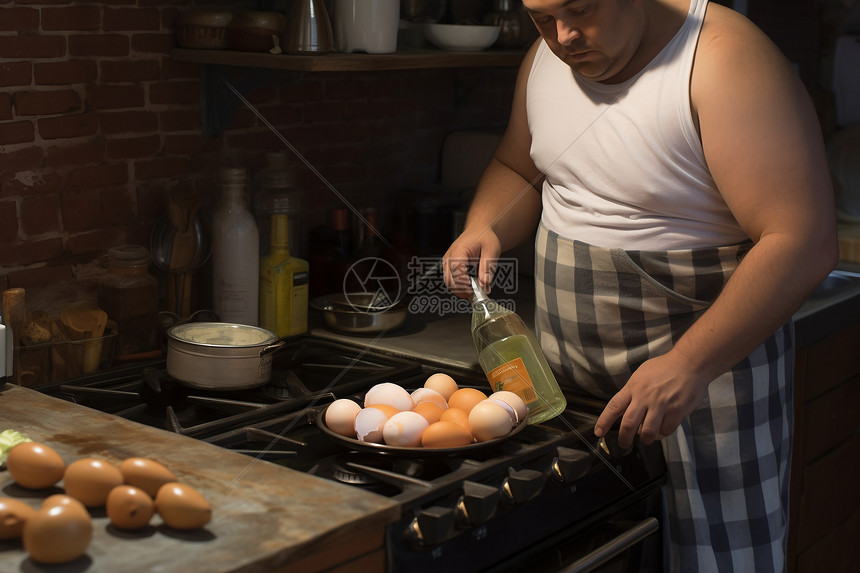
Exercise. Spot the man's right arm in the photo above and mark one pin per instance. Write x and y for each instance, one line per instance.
(507, 203)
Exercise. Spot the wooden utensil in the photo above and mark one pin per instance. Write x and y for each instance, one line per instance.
(182, 208)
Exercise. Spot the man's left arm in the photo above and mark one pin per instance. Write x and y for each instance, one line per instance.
(763, 145)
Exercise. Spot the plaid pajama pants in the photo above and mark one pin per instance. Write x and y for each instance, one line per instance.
(603, 312)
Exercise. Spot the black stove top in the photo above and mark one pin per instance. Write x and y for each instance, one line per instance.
(533, 475)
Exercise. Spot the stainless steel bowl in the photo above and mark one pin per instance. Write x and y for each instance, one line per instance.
(359, 313)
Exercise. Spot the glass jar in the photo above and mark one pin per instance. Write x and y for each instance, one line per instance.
(129, 295)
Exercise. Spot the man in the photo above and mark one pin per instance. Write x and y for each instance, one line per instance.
(673, 166)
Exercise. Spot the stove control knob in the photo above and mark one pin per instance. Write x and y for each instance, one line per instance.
(522, 485)
(571, 464)
(430, 526)
(477, 504)
(609, 444)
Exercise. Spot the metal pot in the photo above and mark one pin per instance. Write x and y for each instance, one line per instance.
(220, 355)
(358, 313)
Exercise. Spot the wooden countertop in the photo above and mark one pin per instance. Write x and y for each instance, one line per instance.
(265, 517)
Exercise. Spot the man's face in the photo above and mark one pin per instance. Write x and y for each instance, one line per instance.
(597, 38)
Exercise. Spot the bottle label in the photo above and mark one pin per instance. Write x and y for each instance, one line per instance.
(513, 377)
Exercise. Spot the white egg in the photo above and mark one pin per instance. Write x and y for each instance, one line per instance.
(340, 417)
(368, 425)
(404, 429)
(513, 401)
(428, 395)
(508, 408)
(390, 394)
(442, 383)
(489, 420)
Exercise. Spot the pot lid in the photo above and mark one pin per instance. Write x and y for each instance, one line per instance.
(222, 334)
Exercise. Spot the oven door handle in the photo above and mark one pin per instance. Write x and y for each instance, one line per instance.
(614, 547)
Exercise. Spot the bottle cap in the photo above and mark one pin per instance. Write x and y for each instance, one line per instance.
(234, 175)
(477, 291)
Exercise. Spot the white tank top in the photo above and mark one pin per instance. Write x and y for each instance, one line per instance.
(624, 164)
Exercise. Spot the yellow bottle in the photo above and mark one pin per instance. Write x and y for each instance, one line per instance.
(283, 285)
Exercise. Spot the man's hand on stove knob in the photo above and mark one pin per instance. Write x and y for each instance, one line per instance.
(653, 403)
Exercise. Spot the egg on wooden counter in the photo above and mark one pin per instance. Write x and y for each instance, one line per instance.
(89, 480)
(35, 466)
(129, 507)
(146, 474)
(182, 507)
(13, 515)
(59, 532)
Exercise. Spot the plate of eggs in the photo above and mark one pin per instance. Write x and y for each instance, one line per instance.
(440, 418)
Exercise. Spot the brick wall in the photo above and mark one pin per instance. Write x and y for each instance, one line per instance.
(97, 124)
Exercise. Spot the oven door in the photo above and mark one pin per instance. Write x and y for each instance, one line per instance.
(627, 542)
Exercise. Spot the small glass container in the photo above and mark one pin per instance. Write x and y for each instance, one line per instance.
(129, 295)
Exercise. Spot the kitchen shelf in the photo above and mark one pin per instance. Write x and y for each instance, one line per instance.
(406, 59)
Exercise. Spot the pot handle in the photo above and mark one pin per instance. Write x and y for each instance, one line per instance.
(271, 348)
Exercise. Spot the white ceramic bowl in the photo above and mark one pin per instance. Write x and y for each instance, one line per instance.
(460, 38)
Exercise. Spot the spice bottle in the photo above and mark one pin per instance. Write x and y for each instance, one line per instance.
(129, 296)
(235, 252)
(283, 284)
(511, 358)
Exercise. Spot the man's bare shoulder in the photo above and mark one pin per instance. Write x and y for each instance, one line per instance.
(729, 39)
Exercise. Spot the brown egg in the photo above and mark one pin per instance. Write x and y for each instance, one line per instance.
(58, 533)
(445, 435)
(34, 465)
(90, 480)
(146, 474)
(466, 398)
(457, 416)
(442, 383)
(182, 507)
(62, 499)
(129, 507)
(490, 420)
(430, 410)
(13, 515)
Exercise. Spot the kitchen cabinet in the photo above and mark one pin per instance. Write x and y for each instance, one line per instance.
(825, 499)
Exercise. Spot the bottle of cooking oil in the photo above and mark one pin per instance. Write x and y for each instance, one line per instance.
(283, 284)
(511, 357)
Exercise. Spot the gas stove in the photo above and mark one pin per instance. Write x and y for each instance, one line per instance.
(552, 497)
